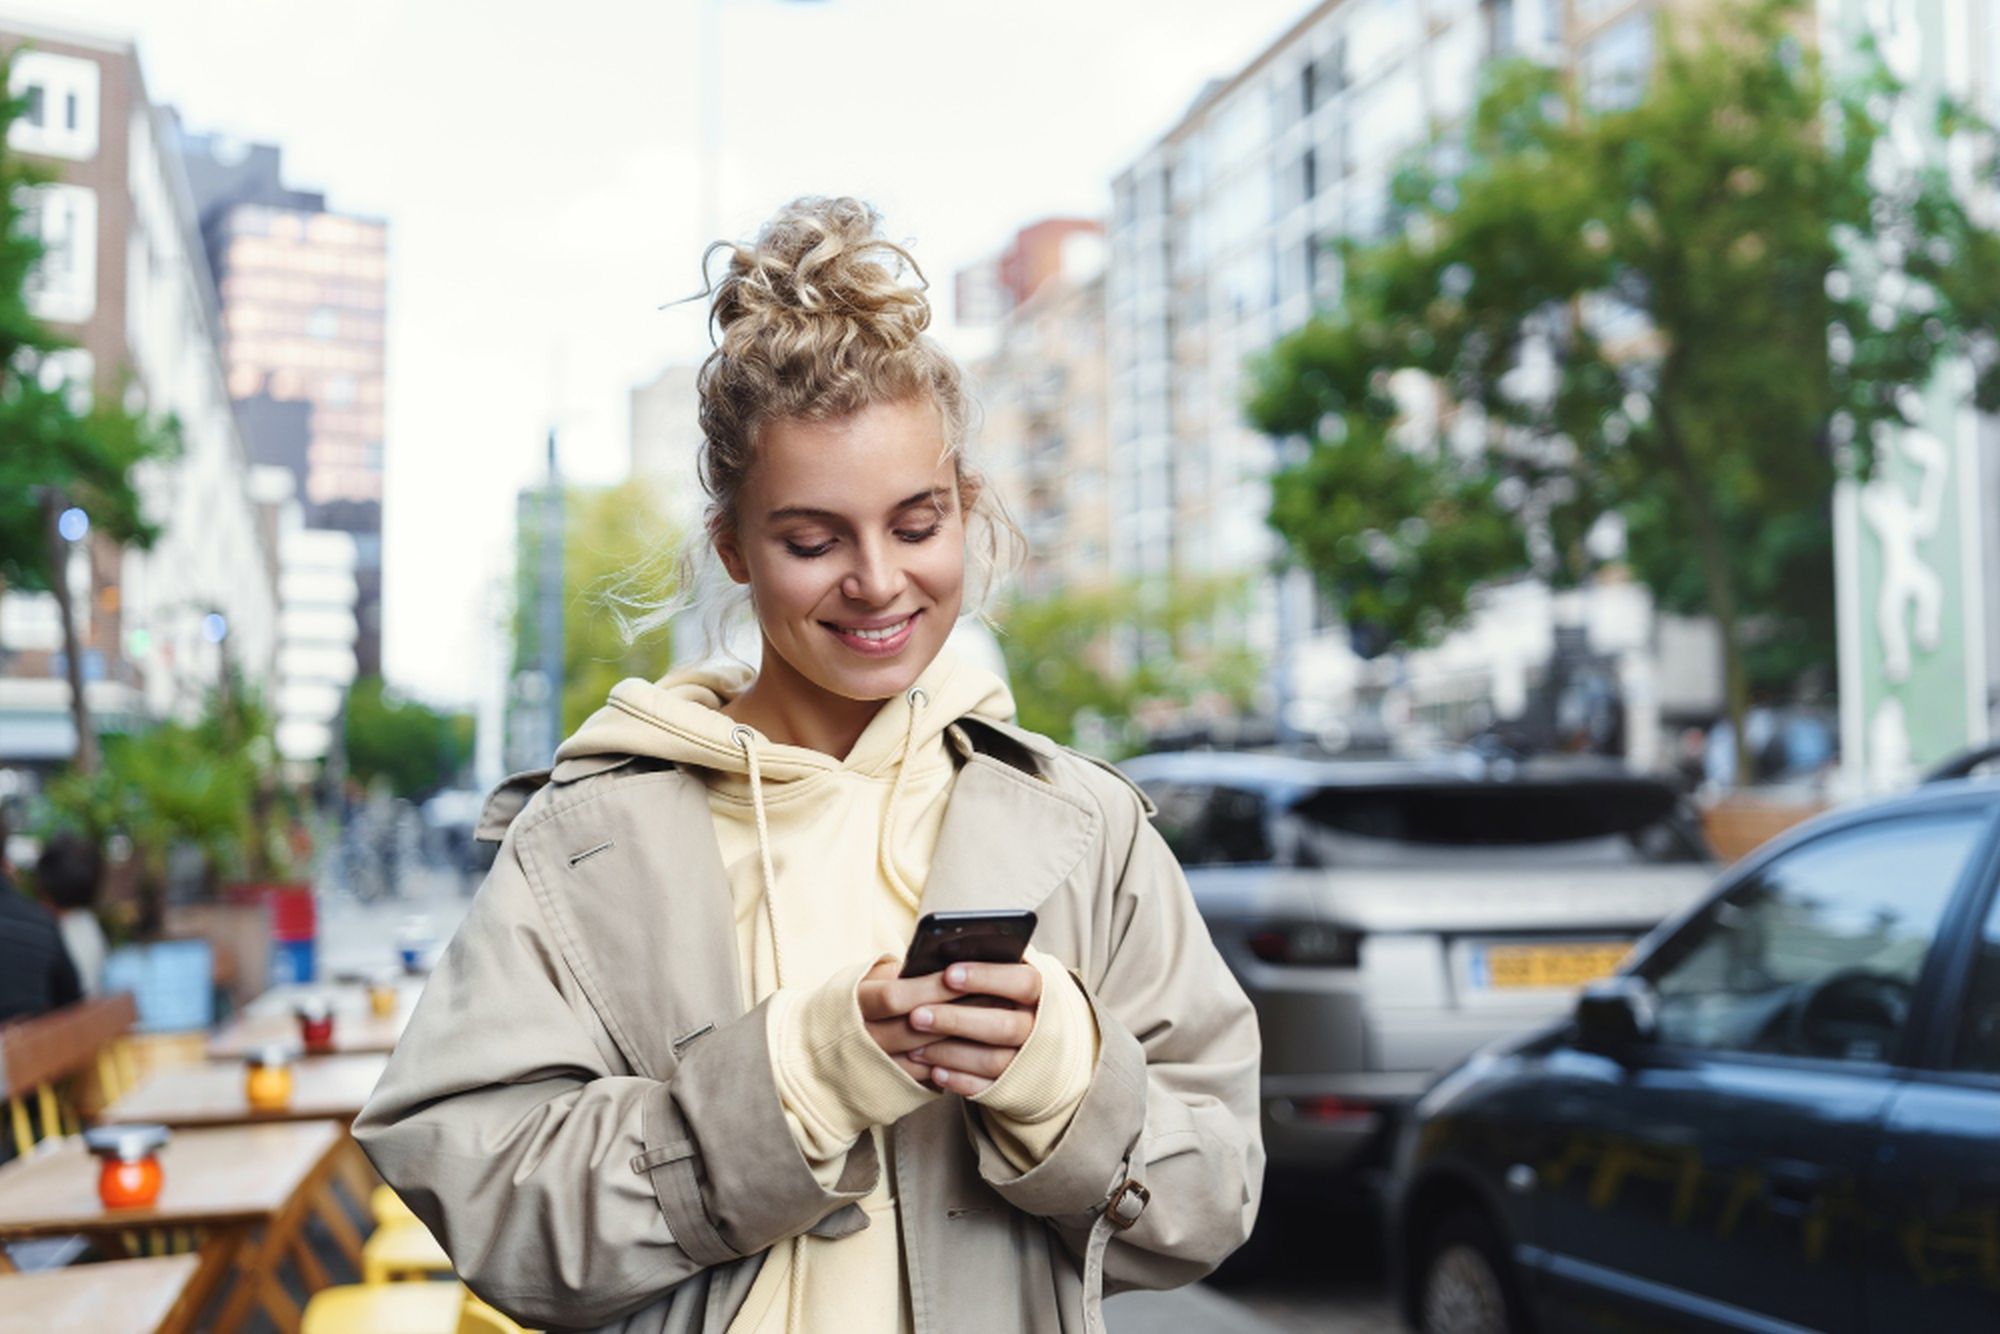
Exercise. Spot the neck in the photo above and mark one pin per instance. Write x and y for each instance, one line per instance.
(793, 711)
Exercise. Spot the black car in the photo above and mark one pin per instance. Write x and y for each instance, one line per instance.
(1782, 1114)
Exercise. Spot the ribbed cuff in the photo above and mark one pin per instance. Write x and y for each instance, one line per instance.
(834, 1082)
(1041, 1088)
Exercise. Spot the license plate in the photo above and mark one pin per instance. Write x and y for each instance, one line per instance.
(1546, 966)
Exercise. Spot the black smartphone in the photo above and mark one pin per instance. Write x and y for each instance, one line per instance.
(968, 937)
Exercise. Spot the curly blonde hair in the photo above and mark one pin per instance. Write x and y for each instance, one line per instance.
(813, 321)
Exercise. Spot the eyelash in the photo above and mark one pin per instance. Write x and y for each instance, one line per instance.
(912, 537)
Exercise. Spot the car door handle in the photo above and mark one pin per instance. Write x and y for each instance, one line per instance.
(1793, 1188)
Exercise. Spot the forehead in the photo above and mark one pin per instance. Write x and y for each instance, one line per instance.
(858, 464)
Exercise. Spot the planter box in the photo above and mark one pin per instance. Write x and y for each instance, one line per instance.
(1738, 825)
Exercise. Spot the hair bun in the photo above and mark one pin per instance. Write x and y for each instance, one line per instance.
(820, 260)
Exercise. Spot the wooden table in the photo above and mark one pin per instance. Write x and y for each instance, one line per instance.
(117, 1297)
(345, 998)
(354, 1032)
(210, 1093)
(247, 1189)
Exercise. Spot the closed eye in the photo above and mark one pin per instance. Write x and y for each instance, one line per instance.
(920, 536)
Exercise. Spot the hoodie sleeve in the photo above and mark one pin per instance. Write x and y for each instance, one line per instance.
(568, 1191)
(835, 1082)
(1027, 1109)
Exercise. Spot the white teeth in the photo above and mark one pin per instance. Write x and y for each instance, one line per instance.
(886, 632)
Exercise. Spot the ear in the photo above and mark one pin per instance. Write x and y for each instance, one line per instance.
(729, 550)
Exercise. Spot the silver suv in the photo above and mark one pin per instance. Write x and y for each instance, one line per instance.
(1388, 917)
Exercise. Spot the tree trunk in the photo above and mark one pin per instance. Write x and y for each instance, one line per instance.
(53, 505)
(1720, 582)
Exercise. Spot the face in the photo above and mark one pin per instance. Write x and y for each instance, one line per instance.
(851, 537)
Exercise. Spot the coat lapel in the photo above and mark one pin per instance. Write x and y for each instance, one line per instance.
(1009, 839)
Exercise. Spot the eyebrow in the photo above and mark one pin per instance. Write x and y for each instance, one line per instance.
(935, 495)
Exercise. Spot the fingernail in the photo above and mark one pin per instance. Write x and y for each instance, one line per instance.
(916, 1055)
(943, 1075)
(921, 1016)
(954, 976)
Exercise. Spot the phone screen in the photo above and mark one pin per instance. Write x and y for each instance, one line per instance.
(943, 938)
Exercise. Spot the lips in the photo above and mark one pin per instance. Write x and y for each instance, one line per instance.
(876, 641)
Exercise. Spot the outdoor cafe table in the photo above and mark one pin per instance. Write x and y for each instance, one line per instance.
(347, 998)
(117, 1297)
(211, 1093)
(355, 1031)
(247, 1188)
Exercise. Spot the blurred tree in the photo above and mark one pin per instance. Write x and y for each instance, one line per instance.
(1063, 663)
(617, 560)
(414, 748)
(55, 454)
(1692, 311)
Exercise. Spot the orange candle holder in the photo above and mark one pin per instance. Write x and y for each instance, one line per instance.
(130, 1175)
(267, 1078)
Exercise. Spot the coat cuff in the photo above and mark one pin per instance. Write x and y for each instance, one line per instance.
(728, 1175)
(1030, 1105)
(1088, 1160)
(834, 1081)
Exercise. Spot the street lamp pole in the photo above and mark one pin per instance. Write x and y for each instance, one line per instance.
(54, 506)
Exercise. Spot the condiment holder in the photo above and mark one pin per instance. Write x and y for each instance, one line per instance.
(267, 1077)
(130, 1177)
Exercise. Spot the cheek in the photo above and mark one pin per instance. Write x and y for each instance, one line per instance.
(779, 586)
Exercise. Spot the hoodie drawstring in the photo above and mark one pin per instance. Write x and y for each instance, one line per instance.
(746, 738)
(795, 1280)
(884, 858)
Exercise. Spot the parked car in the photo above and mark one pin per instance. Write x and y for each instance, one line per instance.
(1388, 916)
(1782, 1114)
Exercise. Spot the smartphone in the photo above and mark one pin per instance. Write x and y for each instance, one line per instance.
(968, 937)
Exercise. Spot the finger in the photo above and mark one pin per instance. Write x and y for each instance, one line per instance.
(896, 1037)
(999, 1028)
(916, 1070)
(1018, 982)
(893, 997)
(972, 1058)
(957, 1081)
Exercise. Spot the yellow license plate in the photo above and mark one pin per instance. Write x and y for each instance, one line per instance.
(1521, 967)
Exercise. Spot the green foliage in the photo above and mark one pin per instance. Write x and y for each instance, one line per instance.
(617, 549)
(1063, 662)
(1729, 293)
(414, 748)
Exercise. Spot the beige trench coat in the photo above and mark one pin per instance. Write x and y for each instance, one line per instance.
(585, 1116)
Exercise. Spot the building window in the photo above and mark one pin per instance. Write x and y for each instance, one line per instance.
(63, 218)
(1309, 176)
(61, 111)
(1616, 62)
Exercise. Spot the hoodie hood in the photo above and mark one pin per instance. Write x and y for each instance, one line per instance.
(679, 719)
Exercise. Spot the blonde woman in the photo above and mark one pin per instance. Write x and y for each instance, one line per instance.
(667, 1077)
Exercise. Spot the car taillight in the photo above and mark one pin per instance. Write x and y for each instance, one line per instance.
(1307, 946)
(1329, 1108)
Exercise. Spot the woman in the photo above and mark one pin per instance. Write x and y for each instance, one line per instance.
(666, 1076)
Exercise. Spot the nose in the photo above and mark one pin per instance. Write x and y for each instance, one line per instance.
(876, 577)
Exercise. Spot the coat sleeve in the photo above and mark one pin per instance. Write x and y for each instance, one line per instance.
(568, 1190)
(1173, 1101)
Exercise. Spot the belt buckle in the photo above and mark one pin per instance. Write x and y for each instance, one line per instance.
(1127, 1203)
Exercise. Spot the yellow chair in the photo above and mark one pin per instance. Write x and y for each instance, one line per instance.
(402, 1251)
(403, 1308)
(387, 1207)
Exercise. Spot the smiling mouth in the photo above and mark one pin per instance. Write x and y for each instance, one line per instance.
(876, 639)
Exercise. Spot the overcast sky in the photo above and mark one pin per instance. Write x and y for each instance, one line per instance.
(538, 166)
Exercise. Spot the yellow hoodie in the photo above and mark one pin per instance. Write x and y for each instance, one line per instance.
(827, 860)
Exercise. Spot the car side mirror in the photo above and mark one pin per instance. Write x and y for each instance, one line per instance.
(1615, 1015)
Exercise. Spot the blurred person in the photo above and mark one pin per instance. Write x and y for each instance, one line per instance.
(68, 875)
(667, 1077)
(36, 974)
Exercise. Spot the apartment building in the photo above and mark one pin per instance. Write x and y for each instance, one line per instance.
(124, 278)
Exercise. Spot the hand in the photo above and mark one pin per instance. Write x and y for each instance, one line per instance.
(962, 1048)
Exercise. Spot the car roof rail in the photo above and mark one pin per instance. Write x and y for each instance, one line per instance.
(1962, 765)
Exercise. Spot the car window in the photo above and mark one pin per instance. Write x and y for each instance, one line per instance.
(1979, 1038)
(1211, 823)
(1818, 954)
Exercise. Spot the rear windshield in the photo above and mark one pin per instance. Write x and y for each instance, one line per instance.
(1602, 820)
